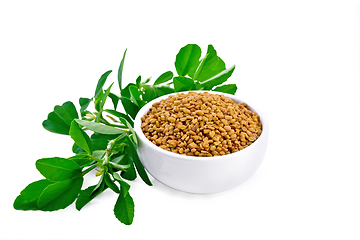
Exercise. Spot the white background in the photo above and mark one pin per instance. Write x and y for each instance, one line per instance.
(297, 60)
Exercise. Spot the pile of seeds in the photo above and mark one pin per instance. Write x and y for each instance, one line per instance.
(201, 124)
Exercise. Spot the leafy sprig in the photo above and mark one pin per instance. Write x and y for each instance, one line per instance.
(107, 144)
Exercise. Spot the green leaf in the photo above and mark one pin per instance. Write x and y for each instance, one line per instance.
(82, 159)
(117, 159)
(213, 65)
(85, 197)
(27, 200)
(149, 93)
(101, 83)
(166, 76)
(134, 95)
(107, 92)
(124, 187)
(139, 167)
(76, 149)
(59, 195)
(126, 90)
(130, 173)
(217, 79)
(121, 70)
(99, 128)
(199, 68)
(119, 114)
(60, 119)
(58, 169)
(80, 137)
(124, 209)
(147, 80)
(126, 123)
(187, 59)
(97, 100)
(120, 167)
(130, 107)
(228, 88)
(138, 81)
(110, 183)
(84, 103)
(100, 187)
(163, 90)
(115, 99)
(183, 84)
(134, 92)
(100, 141)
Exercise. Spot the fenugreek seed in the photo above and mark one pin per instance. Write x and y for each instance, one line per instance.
(171, 119)
(193, 145)
(220, 115)
(206, 131)
(222, 129)
(213, 123)
(227, 117)
(216, 138)
(191, 133)
(185, 110)
(227, 128)
(199, 112)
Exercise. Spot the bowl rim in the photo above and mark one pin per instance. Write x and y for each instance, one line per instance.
(140, 134)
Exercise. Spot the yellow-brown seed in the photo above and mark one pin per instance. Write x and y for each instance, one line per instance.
(201, 124)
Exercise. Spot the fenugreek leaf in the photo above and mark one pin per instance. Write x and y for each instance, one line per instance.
(149, 93)
(138, 81)
(130, 108)
(121, 67)
(86, 196)
(58, 169)
(100, 141)
(124, 208)
(217, 79)
(163, 90)
(125, 92)
(110, 183)
(119, 114)
(84, 103)
(59, 195)
(100, 187)
(213, 65)
(82, 159)
(80, 137)
(115, 99)
(183, 84)
(130, 173)
(99, 127)
(132, 130)
(227, 88)
(187, 59)
(27, 200)
(60, 119)
(106, 94)
(139, 167)
(101, 83)
(166, 76)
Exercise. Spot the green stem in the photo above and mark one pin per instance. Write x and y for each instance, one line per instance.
(88, 170)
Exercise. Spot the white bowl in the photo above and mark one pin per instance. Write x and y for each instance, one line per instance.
(202, 175)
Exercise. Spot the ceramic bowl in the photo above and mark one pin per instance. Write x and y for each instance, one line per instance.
(201, 175)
